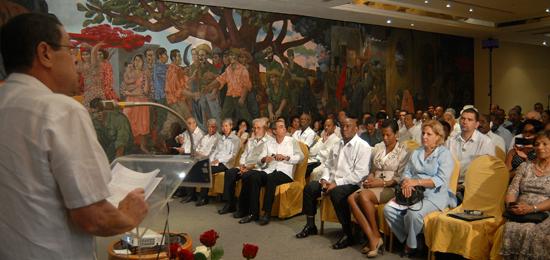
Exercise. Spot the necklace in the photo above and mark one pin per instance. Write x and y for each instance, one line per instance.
(540, 170)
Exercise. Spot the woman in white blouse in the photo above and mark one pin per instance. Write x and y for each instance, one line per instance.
(387, 164)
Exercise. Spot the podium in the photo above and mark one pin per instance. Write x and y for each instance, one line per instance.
(175, 170)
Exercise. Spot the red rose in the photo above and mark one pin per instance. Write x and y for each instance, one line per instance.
(185, 254)
(209, 238)
(249, 251)
(173, 250)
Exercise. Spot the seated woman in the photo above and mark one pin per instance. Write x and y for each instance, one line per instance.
(431, 166)
(241, 130)
(530, 189)
(388, 162)
(521, 153)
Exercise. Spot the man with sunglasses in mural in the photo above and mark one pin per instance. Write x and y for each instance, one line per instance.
(204, 74)
(54, 172)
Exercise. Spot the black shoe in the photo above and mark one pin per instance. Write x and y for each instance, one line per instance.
(202, 202)
(307, 231)
(249, 218)
(227, 209)
(189, 199)
(344, 242)
(264, 220)
(179, 193)
(239, 214)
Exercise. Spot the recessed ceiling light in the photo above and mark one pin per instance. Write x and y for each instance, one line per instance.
(547, 9)
(471, 9)
(412, 24)
(389, 21)
(544, 43)
(428, 2)
(448, 5)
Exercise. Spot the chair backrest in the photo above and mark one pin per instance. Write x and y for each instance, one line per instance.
(454, 176)
(300, 172)
(412, 144)
(500, 153)
(239, 155)
(486, 182)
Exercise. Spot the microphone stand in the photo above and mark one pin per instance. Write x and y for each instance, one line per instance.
(107, 105)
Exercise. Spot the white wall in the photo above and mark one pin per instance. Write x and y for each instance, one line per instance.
(521, 76)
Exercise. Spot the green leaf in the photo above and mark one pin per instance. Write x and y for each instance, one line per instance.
(81, 7)
(97, 3)
(140, 29)
(86, 23)
(205, 10)
(217, 253)
(109, 18)
(90, 13)
(99, 18)
(119, 21)
(199, 256)
(129, 25)
(246, 13)
(157, 16)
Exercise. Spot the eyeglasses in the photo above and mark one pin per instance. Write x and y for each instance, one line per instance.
(68, 46)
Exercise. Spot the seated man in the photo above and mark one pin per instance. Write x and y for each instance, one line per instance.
(205, 148)
(409, 131)
(113, 130)
(184, 138)
(319, 152)
(278, 159)
(305, 134)
(248, 161)
(372, 135)
(485, 128)
(345, 168)
(468, 145)
(223, 156)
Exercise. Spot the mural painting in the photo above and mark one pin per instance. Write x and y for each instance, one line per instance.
(214, 62)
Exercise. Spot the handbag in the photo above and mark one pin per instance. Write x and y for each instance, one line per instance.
(527, 218)
(417, 195)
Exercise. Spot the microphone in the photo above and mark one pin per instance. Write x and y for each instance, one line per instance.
(109, 105)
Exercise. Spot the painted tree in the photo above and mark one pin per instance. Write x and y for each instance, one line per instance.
(214, 24)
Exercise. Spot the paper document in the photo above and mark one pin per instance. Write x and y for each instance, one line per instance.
(125, 180)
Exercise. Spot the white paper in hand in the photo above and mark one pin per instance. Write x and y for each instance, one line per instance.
(125, 180)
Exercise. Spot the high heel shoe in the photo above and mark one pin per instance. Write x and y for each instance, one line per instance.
(374, 253)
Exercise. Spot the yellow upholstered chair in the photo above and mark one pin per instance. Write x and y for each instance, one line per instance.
(429, 219)
(486, 183)
(289, 196)
(218, 179)
(500, 153)
(497, 242)
(412, 144)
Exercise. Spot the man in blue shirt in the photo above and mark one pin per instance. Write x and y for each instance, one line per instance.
(159, 78)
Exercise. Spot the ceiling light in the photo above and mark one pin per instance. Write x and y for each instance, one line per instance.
(547, 9)
(544, 43)
(389, 21)
(448, 5)
(412, 24)
(428, 2)
(471, 9)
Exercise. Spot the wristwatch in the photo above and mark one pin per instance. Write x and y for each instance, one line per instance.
(534, 209)
(385, 184)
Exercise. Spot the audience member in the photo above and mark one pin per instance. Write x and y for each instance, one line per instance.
(184, 138)
(545, 117)
(346, 166)
(294, 125)
(501, 131)
(205, 148)
(446, 129)
(319, 152)
(431, 110)
(539, 107)
(409, 131)
(433, 176)
(450, 119)
(529, 191)
(522, 152)
(401, 121)
(247, 163)
(341, 117)
(387, 165)
(469, 145)
(54, 173)
(533, 115)
(241, 130)
(396, 115)
(372, 135)
(485, 128)
(418, 117)
(514, 116)
(305, 134)
(278, 159)
(438, 113)
(502, 114)
(318, 126)
(380, 118)
(362, 127)
(494, 108)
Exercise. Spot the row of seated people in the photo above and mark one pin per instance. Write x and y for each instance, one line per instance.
(342, 175)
